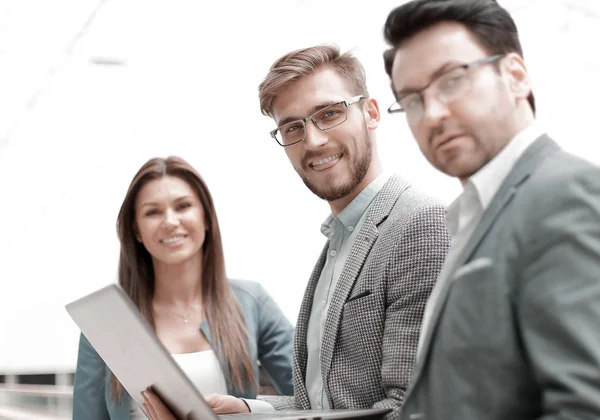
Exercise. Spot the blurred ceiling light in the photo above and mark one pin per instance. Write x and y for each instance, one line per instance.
(107, 61)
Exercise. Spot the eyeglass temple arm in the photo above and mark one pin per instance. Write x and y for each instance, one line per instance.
(354, 100)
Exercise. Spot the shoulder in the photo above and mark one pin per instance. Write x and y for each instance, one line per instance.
(247, 292)
(415, 229)
(259, 309)
(416, 210)
(561, 182)
(558, 203)
(562, 166)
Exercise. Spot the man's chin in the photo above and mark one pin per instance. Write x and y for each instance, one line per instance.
(334, 195)
(332, 192)
(459, 169)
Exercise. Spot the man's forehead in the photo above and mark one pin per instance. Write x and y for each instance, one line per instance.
(432, 49)
(308, 93)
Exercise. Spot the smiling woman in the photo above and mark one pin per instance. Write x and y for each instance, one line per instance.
(170, 222)
(172, 267)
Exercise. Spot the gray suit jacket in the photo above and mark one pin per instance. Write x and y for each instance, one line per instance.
(372, 326)
(516, 333)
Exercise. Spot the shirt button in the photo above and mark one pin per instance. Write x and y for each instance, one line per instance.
(333, 252)
(350, 228)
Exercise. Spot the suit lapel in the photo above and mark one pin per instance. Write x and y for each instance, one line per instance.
(382, 205)
(525, 166)
(300, 351)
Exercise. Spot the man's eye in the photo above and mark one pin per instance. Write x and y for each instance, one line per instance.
(454, 80)
(412, 102)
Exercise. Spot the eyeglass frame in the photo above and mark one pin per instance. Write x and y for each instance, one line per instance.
(346, 103)
(467, 66)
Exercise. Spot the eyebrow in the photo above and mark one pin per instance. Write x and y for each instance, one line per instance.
(441, 70)
(312, 111)
(183, 197)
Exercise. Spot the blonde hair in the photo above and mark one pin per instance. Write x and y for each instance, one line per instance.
(296, 64)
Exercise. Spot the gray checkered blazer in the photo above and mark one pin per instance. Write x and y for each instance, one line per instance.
(373, 323)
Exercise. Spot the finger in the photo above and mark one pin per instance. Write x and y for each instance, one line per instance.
(153, 400)
(160, 409)
(147, 411)
(152, 415)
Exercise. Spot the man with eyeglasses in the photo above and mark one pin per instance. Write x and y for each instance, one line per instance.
(357, 331)
(512, 328)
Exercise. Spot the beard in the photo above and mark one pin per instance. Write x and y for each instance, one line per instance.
(330, 190)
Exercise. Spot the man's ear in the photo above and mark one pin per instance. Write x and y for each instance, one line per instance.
(372, 113)
(519, 82)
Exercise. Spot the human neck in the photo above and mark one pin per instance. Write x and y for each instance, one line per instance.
(514, 127)
(375, 169)
(178, 285)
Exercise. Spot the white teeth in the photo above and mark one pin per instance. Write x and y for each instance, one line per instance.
(173, 239)
(326, 160)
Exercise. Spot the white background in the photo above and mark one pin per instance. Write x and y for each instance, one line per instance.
(183, 81)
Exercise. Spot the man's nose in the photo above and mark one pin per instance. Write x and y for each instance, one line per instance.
(434, 111)
(315, 138)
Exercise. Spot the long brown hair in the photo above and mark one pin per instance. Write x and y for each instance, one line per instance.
(136, 273)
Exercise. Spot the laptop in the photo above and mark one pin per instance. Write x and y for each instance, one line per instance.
(126, 342)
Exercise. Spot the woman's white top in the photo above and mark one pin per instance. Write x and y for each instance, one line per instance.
(204, 371)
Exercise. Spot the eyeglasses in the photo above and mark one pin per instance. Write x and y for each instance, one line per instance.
(324, 119)
(447, 87)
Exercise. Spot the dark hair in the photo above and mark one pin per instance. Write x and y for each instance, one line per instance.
(136, 273)
(489, 22)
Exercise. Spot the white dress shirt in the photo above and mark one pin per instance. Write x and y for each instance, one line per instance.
(464, 214)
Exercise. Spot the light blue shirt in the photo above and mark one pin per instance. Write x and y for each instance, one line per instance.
(341, 232)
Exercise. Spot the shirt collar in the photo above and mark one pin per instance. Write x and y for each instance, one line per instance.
(488, 179)
(352, 213)
(458, 210)
(452, 213)
(484, 184)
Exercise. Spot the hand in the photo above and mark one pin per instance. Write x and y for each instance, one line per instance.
(154, 407)
(225, 404)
